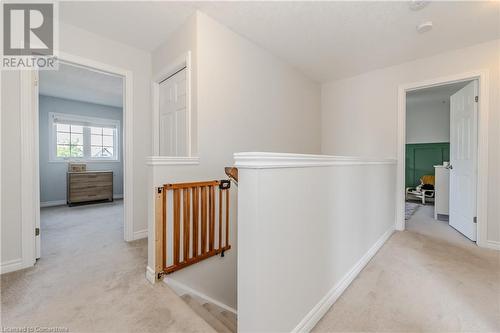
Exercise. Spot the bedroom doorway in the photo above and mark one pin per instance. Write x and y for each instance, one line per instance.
(441, 158)
(80, 121)
(30, 150)
(441, 141)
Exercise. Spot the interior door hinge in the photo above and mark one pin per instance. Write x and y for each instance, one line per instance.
(37, 231)
(476, 99)
(474, 219)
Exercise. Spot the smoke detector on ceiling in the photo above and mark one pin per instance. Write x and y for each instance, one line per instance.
(418, 4)
(424, 27)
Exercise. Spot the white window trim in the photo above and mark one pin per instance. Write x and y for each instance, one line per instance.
(98, 121)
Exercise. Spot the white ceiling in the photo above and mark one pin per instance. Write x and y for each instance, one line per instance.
(440, 94)
(141, 24)
(329, 40)
(82, 84)
(325, 40)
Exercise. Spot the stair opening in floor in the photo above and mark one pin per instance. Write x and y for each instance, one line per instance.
(221, 320)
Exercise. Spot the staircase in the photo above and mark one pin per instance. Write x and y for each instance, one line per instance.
(220, 319)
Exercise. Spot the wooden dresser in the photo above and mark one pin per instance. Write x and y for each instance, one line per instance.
(89, 186)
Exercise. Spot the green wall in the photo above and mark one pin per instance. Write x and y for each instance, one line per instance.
(421, 158)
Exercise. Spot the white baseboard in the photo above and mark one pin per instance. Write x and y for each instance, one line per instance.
(140, 234)
(319, 310)
(63, 202)
(494, 245)
(52, 203)
(150, 275)
(181, 289)
(12, 265)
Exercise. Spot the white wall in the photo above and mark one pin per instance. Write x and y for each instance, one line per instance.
(427, 122)
(359, 114)
(78, 42)
(250, 100)
(307, 226)
(53, 174)
(246, 100)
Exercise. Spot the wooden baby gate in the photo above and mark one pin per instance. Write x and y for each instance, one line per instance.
(186, 228)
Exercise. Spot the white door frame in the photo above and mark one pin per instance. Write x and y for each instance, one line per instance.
(181, 62)
(30, 173)
(482, 153)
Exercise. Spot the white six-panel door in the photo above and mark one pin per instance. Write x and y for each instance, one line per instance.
(173, 115)
(463, 163)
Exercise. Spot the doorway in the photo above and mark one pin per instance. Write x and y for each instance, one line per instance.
(465, 186)
(31, 153)
(441, 157)
(80, 123)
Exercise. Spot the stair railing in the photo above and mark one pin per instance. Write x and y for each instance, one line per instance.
(192, 223)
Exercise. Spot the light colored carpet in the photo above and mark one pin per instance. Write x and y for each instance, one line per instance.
(429, 278)
(90, 280)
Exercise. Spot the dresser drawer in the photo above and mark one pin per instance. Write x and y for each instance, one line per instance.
(88, 196)
(89, 186)
(97, 189)
(91, 177)
(81, 185)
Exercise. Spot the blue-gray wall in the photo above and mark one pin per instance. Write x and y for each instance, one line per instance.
(53, 174)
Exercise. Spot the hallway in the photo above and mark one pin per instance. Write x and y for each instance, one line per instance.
(89, 279)
(428, 278)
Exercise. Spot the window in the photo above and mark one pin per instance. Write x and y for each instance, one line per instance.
(102, 142)
(69, 140)
(83, 138)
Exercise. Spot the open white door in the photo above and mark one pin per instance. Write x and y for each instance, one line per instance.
(463, 164)
(36, 91)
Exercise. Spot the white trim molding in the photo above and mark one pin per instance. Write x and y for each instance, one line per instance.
(45, 204)
(181, 289)
(320, 309)
(140, 234)
(494, 245)
(53, 203)
(482, 156)
(266, 160)
(30, 184)
(12, 265)
(150, 275)
(172, 160)
(1, 164)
